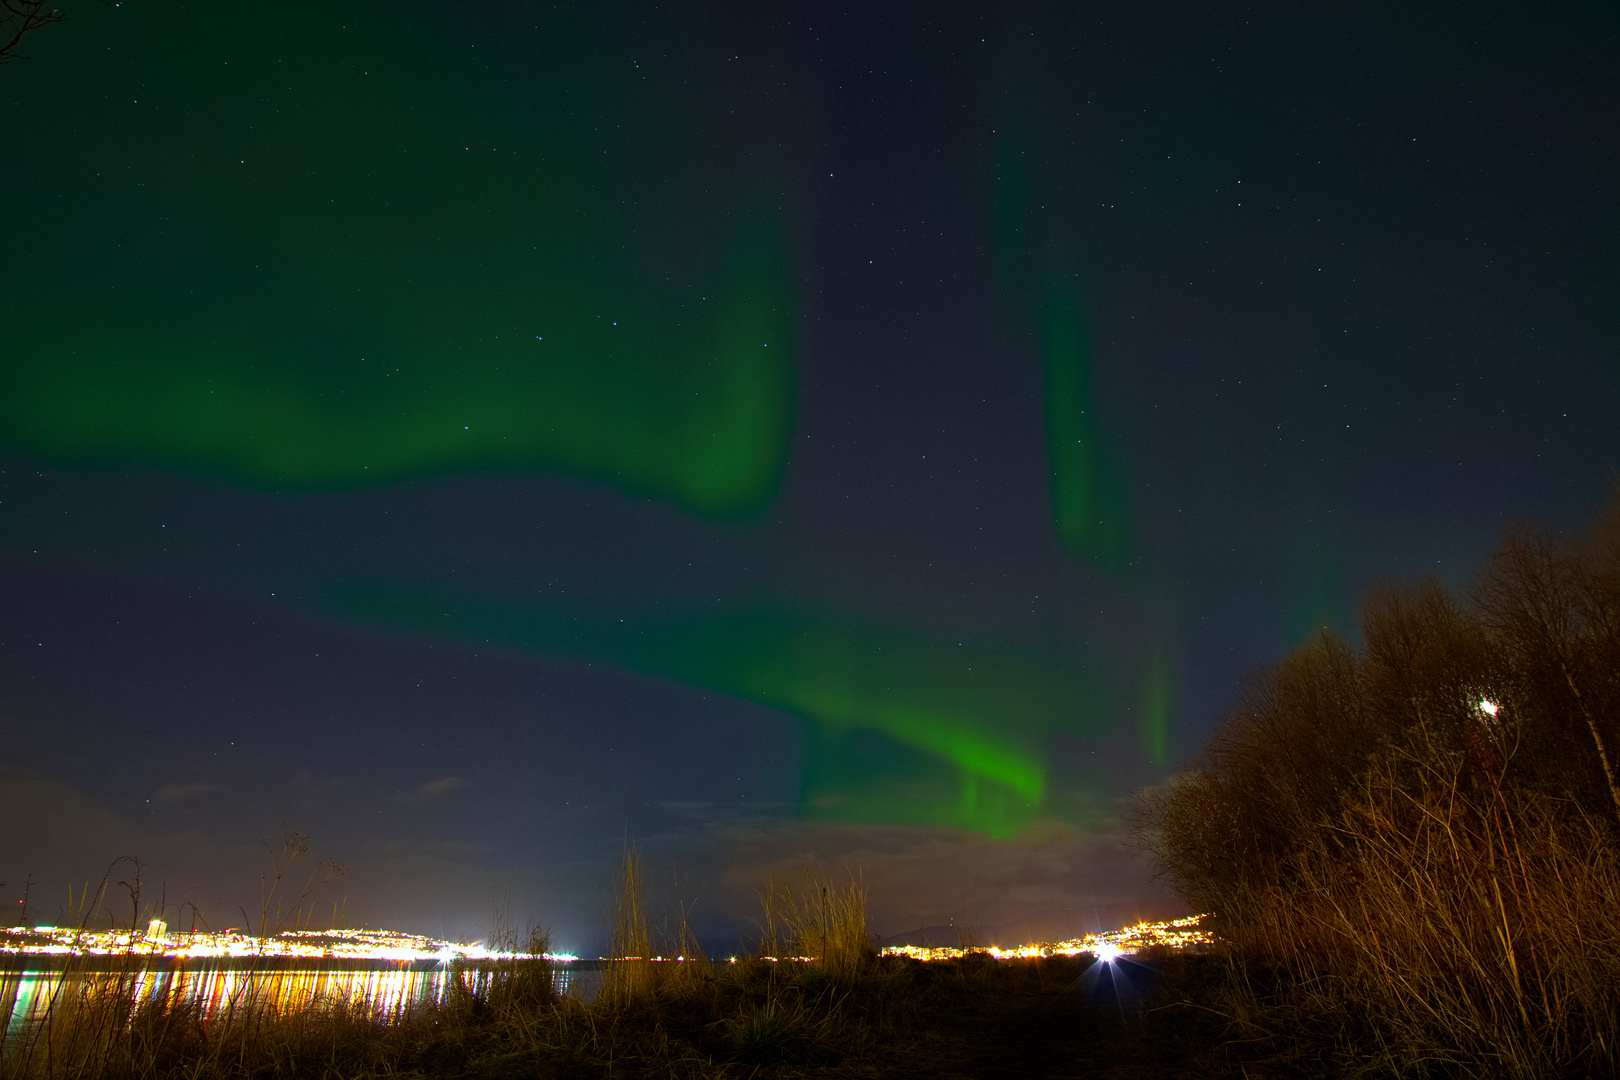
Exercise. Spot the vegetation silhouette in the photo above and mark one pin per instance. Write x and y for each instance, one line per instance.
(18, 19)
(1409, 846)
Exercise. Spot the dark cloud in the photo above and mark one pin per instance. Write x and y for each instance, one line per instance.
(184, 792)
(1054, 881)
(434, 790)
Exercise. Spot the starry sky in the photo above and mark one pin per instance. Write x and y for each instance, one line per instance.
(791, 438)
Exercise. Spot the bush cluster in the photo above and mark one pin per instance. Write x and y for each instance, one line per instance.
(1410, 846)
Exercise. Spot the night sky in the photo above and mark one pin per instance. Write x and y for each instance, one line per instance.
(856, 438)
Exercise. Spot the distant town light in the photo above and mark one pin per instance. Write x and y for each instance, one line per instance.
(1184, 933)
(387, 945)
(313, 944)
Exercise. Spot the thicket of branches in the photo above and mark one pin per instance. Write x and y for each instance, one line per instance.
(1414, 841)
(18, 19)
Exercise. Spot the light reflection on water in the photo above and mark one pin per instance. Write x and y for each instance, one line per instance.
(388, 992)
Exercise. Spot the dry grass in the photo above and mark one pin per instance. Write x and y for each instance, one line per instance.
(783, 1018)
(632, 974)
(103, 1023)
(823, 922)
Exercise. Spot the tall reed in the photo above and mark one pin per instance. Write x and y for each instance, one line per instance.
(630, 973)
(823, 922)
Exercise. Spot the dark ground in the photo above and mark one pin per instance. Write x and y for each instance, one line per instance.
(1061, 1018)
(973, 1018)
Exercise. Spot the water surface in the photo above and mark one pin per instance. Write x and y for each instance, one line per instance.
(387, 989)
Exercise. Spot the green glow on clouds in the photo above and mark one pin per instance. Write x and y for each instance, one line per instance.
(902, 727)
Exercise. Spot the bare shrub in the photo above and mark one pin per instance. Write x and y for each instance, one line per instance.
(1419, 836)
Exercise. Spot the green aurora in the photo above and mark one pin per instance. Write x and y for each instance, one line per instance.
(375, 275)
(379, 275)
(1087, 501)
(953, 734)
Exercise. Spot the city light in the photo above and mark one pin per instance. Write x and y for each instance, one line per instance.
(157, 940)
(1174, 934)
